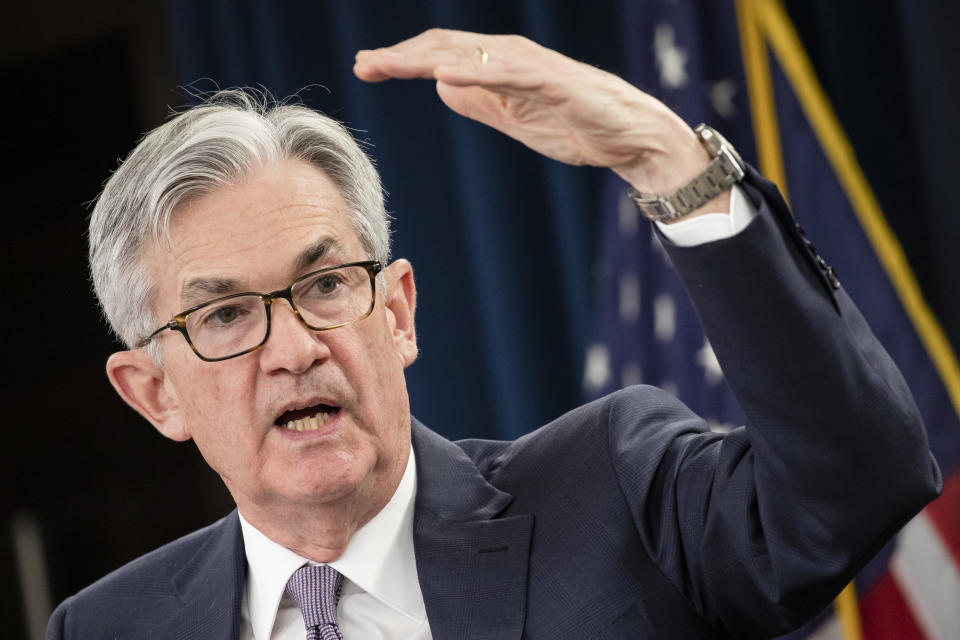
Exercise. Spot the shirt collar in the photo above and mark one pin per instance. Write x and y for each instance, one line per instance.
(379, 559)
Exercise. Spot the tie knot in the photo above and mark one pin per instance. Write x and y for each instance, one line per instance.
(316, 590)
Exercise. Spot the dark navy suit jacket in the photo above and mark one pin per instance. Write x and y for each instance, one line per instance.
(627, 518)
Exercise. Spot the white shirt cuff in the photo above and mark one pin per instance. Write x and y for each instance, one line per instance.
(712, 226)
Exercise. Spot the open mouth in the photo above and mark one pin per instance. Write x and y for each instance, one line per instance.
(306, 419)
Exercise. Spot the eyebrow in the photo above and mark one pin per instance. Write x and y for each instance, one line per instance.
(318, 250)
(199, 290)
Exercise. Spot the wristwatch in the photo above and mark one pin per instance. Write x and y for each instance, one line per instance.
(725, 171)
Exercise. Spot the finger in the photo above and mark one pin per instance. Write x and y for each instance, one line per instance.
(412, 58)
(506, 77)
(368, 71)
(438, 42)
(382, 64)
(422, 55)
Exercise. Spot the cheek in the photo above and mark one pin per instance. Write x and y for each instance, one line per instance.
(223, 427)
(375, 372)
(216, 403)
(381, 366)
(213, 392)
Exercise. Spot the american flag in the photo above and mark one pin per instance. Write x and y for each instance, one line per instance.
(689, 54)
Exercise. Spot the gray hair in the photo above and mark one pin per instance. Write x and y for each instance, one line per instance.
(198, 151)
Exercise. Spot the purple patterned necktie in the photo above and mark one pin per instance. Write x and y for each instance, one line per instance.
(316, 590)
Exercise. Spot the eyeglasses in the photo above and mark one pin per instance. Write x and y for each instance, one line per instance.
(233, 325)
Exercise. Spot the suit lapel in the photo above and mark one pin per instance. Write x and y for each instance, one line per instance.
(472, 566)
(210, 587)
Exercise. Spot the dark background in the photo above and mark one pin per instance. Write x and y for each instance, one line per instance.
(82, 81)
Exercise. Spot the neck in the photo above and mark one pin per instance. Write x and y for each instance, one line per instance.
(319, 531)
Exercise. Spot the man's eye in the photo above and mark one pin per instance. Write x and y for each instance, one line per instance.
(326, 284)
(223, 315)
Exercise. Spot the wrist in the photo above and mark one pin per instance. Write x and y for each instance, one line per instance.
(672, 156)
(707, 191)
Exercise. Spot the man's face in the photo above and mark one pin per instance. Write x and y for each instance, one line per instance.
(258, 235)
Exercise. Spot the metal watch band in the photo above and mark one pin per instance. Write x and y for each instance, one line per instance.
(725, 170)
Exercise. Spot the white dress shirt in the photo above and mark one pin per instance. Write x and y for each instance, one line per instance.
(381, 597)
(712, 226)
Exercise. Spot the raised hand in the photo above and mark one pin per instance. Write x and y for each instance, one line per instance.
(564, 109)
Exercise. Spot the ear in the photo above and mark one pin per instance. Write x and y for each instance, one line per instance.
(143, 386)
(401, 304)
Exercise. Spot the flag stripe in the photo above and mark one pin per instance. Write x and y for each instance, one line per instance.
(830, 629)
(886, 615)
(785, 43)
(944, 513)
(928, 579)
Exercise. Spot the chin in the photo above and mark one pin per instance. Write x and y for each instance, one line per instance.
(330, 480)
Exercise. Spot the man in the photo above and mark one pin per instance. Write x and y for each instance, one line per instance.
(624, 519)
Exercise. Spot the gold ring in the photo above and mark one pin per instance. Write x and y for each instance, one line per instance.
(483, 55)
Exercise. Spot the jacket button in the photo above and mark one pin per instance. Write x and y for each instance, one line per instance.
(832, 277)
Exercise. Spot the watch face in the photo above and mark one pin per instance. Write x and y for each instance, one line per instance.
(714, 142)
(710, 139)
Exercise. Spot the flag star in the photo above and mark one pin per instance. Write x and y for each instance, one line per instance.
(721, 98)
(707, 359)
(664, 317)
(629, 296)
(670, 58)
(596, 373)
(669, 387)
(627, 216)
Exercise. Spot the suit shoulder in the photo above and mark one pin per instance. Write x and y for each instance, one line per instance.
(636, 409)
(149, 577)
(161, 563)
(645, 411)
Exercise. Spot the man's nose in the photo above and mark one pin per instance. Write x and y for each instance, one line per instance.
(291, 346)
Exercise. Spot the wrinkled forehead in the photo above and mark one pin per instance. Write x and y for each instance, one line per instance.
(271, 226)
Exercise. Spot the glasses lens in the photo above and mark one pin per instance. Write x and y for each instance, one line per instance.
(227, 327)
(334, 297)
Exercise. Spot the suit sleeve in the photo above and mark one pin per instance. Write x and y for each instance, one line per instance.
(55, 626)
(762, 527)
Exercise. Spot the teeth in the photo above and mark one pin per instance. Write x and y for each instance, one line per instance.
(310, 423)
